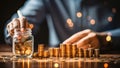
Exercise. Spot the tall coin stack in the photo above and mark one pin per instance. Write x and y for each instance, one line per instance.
(85, 53)
(46, 54)
(68, 50)
(62, 50)
(56, 52)
(74, 50)
(40, 50)
(80, 52)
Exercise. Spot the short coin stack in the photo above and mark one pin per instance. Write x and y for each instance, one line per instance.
(46, 54)
(51, 52)
(40, 50)
(56, 52)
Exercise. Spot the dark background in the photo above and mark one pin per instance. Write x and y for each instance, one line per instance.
(7, 8)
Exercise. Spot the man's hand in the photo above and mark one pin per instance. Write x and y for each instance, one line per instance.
(85, 39)
(18, 23)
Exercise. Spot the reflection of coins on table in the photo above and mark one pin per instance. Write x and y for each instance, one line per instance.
(106, 61)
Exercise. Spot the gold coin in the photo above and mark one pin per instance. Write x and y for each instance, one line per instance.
(28, 52)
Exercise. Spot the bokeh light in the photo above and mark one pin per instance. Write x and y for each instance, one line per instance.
(92, 21)
(109, 18)
(69, 22)
(108, 38)
(113, 10)
(105, 65)
(56, 65)
(79, 14)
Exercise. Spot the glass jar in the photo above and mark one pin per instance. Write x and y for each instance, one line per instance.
(23, 43)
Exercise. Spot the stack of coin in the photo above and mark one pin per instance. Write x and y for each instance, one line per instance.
(96, 53)
(85, 53)
(90, 50)
(40, 50)
(74, 50)
(46, 54)
(56, 52)
(51, 52)
(68, 50)
(80, 52)
(62, 50)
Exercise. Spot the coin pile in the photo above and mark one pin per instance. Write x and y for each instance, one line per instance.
(23, 48)
(67, 51)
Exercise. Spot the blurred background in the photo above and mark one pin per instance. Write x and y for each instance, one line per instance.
(7, 8)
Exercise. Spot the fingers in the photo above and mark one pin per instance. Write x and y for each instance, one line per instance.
(10, 28)
(19, 23)
(15, 23)
(88, 41)
(23, 22)
(84, 39)
(74, 38)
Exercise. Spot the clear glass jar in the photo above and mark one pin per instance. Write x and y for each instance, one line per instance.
(23, 43)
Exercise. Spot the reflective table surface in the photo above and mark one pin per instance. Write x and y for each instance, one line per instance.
(7, 60)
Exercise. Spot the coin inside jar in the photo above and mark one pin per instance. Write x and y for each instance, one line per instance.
(23, 43)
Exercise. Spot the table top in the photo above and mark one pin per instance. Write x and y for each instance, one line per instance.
(7, 60)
